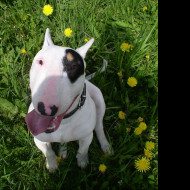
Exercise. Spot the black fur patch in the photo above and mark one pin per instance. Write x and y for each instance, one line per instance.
(74, 66)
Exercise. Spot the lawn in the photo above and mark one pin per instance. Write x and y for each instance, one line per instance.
(126, 35)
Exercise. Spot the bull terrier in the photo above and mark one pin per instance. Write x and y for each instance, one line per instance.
(65, 106)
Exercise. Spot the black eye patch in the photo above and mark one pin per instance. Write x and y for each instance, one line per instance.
(73, 65)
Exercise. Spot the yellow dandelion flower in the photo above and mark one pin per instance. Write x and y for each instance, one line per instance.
(86, 39)
(120, 74)
(144, 8)
(132, 81)
(138, 131)
(47, 10)
(142, 165)
(68, 32)
(24, 16)
(147, 56)
(148, 153)
(58, 160)
(143, 125)
(150, 145)
(121, 115)
(140, 119)
(125, 47)
(23, 51)
(128, 129)
(102, 168)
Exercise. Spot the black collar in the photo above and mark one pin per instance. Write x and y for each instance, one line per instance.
(80, 104)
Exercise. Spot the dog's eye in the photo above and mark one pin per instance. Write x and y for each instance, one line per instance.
(40, 62)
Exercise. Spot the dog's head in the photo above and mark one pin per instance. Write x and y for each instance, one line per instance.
(57, 75)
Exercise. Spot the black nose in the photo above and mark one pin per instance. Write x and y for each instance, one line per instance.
(41, 109)
(53, 110)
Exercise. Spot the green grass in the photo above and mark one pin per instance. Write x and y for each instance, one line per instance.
(22, 165)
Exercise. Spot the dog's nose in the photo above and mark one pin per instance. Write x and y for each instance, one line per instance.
(53, 110)
(43, 110)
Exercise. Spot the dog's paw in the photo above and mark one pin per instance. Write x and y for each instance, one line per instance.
(82, 160)
(63, 152)
(107, 149)
(51, 165)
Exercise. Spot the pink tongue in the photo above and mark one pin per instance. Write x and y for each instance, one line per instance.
(37, 123)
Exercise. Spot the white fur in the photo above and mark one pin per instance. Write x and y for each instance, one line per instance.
(79, 126)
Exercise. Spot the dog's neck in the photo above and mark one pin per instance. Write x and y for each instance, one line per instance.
(77, 104)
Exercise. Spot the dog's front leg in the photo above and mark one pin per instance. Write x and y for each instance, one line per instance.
(82, 155)
(45, 147)
(63, 150)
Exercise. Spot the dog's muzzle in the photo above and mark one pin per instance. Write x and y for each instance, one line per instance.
(43, 123)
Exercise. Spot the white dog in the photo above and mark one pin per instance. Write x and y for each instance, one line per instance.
(65, 106)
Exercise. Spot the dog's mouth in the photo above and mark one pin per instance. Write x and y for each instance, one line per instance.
(38, 124)
(52, 127)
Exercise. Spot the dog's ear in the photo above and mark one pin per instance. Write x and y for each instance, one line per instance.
(83, 50)
(47, 41)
